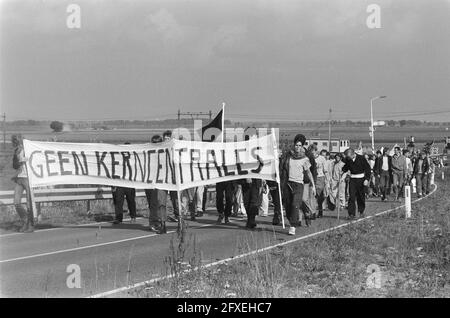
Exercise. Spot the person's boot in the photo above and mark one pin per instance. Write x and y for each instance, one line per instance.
(162, 228)
(227, 220)
(251, 221)
(320, 214)
(220, 219)
(24, 226)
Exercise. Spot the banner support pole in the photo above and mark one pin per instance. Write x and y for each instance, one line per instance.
(30, 190)
(277, 172)
(177, 180)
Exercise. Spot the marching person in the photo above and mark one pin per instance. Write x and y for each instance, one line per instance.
(224, 190)
(21, 180)
(253, 200)
(273, 190)
(322, 175)
(376, 169)
(359, 170)
(383, 169)
(157, 200)
(420, 171)
(167, 136)
(119, 193)
(337, 181)
(399, 172)
(293, 166)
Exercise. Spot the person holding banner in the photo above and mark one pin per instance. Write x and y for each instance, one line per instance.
(167, 136)
(253, 200)
(224, 190)
(119, 194)
(293, 166)
(21, 180)
(157, 200)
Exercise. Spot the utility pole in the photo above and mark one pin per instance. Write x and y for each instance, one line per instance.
(329, 132)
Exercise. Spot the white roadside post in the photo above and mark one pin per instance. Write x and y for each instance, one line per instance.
(407, 201)
(414, 186)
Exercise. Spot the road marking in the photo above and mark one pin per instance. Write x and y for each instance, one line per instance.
(267, 248)
(90, 246)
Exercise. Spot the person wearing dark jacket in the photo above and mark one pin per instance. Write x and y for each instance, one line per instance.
(383, 171)
(360, 173)
(420, 172)
(293, 166)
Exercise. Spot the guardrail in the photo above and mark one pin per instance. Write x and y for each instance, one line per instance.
(69, 194)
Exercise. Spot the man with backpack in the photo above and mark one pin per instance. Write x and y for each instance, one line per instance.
(21, 180)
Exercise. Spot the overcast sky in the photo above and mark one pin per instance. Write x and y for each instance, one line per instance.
(274, 59)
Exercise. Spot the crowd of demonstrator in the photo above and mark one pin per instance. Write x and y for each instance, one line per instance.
(310, 181)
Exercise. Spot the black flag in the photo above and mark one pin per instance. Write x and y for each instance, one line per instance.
(215, 133)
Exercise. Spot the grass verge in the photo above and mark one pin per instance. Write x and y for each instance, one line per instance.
(386, 256)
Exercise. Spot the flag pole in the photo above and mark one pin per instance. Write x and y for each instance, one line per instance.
(277, 173)
(223, 121)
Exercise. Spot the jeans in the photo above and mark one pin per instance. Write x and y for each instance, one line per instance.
(224, 190)
(293, 198)
(24, 214)
(422, 181)
(320, 192)
(397, 183)
(157, 201)
(357, 195)
(384, 182)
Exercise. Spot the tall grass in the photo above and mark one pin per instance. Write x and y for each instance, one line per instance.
(413, 256)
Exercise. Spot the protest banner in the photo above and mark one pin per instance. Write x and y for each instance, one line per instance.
(174, 165)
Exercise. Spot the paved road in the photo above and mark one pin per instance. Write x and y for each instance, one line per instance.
(34, 265)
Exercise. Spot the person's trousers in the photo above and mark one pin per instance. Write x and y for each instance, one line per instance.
(174, 200)
(320, 193)
(26, 215)
(224, 190)
(338, 192)
(120, 195)
(238, 200)
(397, 182)
(384, 182)
(356, 195)
(293, 198)
(157, 201)
(308, 201)
(421, 183)
(275, 199)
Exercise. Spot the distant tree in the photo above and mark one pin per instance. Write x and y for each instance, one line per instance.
(57, 126)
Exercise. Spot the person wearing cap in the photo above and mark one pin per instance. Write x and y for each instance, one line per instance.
(359, 170)
(21, 180)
